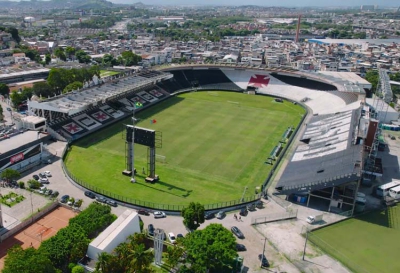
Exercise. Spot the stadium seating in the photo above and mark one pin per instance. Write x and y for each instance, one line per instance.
(303, 82)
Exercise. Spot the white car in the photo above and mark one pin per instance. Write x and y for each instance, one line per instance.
(44, 180)
(172, 238)
(47, 173)
(360, 194)
(70, 202)
(159, 214)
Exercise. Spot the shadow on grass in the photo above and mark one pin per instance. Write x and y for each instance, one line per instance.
(119, 127)
(160, 190)
(380, 217)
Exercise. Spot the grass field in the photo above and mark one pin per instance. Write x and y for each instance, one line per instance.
(366, 244)
(214, 148)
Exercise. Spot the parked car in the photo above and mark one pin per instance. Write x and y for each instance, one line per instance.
(179, 236)
(263, 260)
(64, 198)
(55, 194)
(159, 214)
(101, 199)
(240, 247)
(90, 194)
(221, 214)
(172, 238)
(112, 203)
(251, 207)
(143, 212)
(49, 192)
(78, 202)
(44, 180)
(150, 229)
(237, 232)
(243, 211)
(42, 190)
(47, 173)
(42, 175)
(36, 177)
(209, 215)
(259, 204)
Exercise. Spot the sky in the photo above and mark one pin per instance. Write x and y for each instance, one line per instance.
(297, 3)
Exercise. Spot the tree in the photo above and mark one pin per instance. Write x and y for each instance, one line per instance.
(373, 77)
(4, 90)
(59, 53)
(33, 184)
(68, 245)
(47, 59)
(82, 56)
(193, 215)
(72, 86)
(70, 51)
(130, 58)
(14, 34)
(174, 253)
(56, 79)
(103, 261)
(212, 248)
(10, 174)
(78, 269)
(109, 60)
(42, 89)
(29, 260)
(140, 258)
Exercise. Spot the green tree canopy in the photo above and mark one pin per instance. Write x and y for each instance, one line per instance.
(10, 174)
(73, 86)
(78, 269)
(373, 77)
(59, 53)
(82, 56)
(212, 248)
(130, 58)
(68, 245)
(94, 219)
(4, 90)
(193, 215)
(42, 89)
(29, 260)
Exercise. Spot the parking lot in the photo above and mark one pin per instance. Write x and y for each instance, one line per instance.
(282, 247)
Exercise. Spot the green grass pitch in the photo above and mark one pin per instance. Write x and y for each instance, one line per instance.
(369, 243)
(214, 148)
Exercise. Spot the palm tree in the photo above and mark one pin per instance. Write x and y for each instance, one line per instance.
(123, 252)
(140, 259)
(103, 261)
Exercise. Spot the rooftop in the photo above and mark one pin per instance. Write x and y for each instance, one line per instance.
(16, 141)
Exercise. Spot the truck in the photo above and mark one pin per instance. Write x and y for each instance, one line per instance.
(314, 219)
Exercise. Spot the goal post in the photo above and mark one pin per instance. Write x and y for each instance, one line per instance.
(161, 158)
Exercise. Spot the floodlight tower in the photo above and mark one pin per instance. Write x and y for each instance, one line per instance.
(132, 148)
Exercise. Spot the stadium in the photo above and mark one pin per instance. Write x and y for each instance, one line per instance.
(222, 133)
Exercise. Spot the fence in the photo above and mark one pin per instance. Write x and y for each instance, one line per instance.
(28, 221)
(272, 217)
(335, 253)
(151, 205)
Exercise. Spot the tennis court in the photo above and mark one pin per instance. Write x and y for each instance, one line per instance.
(44, 228)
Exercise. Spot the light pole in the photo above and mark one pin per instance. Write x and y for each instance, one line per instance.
(263, 254)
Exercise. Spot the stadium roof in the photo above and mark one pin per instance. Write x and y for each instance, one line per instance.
(326, 157)
(79, 100)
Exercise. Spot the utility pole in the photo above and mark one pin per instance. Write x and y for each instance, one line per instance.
(262, 258)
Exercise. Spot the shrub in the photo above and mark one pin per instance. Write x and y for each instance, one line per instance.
(21, 184)
(78, 269)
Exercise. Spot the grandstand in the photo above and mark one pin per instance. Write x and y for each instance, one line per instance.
(327, 163)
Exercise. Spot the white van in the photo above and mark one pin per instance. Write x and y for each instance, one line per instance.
(395, 192)
(384, 189)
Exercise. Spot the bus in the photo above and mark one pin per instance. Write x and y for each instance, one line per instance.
(395, 192)
(383, 190)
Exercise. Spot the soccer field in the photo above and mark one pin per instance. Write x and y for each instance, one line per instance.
(214, 147)
(366, 244)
